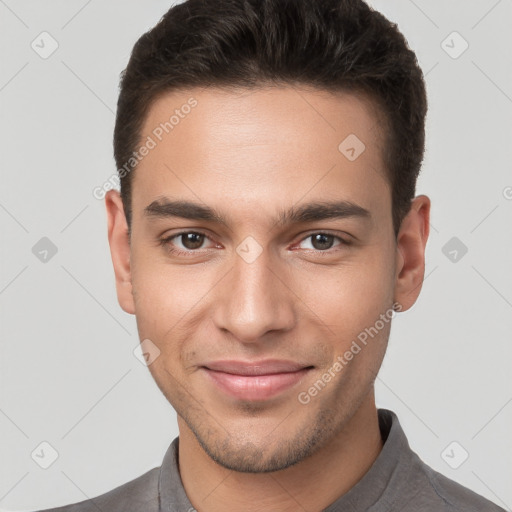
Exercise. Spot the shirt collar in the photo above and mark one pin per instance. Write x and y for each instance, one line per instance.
(172, 494)
(380, 484)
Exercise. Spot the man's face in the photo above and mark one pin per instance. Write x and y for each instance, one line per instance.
(263, 292)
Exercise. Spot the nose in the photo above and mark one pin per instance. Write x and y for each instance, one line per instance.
(254, 299)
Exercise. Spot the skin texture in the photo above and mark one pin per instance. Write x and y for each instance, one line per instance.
(251, 154)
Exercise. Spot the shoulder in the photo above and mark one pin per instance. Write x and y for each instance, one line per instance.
(414, 485)
(138, 494)
(434, 488)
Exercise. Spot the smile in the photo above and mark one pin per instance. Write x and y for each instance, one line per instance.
(255, 381)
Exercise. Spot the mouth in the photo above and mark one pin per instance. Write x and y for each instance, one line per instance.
(257, 380)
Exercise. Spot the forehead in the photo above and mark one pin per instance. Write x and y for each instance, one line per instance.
(259, 146)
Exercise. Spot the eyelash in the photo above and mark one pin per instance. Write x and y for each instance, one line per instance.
(166, 242)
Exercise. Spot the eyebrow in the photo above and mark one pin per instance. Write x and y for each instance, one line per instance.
(310, 212)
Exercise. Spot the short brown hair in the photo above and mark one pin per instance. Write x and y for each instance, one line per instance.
(334, 45)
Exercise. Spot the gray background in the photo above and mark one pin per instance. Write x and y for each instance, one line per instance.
(68, 375)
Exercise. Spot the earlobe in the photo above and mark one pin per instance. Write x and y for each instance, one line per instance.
(410, 252)
(120, 249)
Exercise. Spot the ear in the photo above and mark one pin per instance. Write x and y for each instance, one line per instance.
(120, 249)
(410, 252)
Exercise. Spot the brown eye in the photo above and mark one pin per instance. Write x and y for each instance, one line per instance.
(322, 241)
(185, 243)
(192, 240)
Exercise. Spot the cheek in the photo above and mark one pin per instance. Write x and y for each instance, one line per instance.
(350, 298)
(156, 298)
(352, 292)
(168, 299)
(162, 292)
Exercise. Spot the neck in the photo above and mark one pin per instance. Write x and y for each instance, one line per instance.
(338, 465)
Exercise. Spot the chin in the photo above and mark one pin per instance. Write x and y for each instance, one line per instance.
(280, 449)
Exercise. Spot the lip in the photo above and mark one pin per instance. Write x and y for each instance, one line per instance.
(255, 380)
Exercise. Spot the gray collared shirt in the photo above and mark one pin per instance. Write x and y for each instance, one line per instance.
(398, 481)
